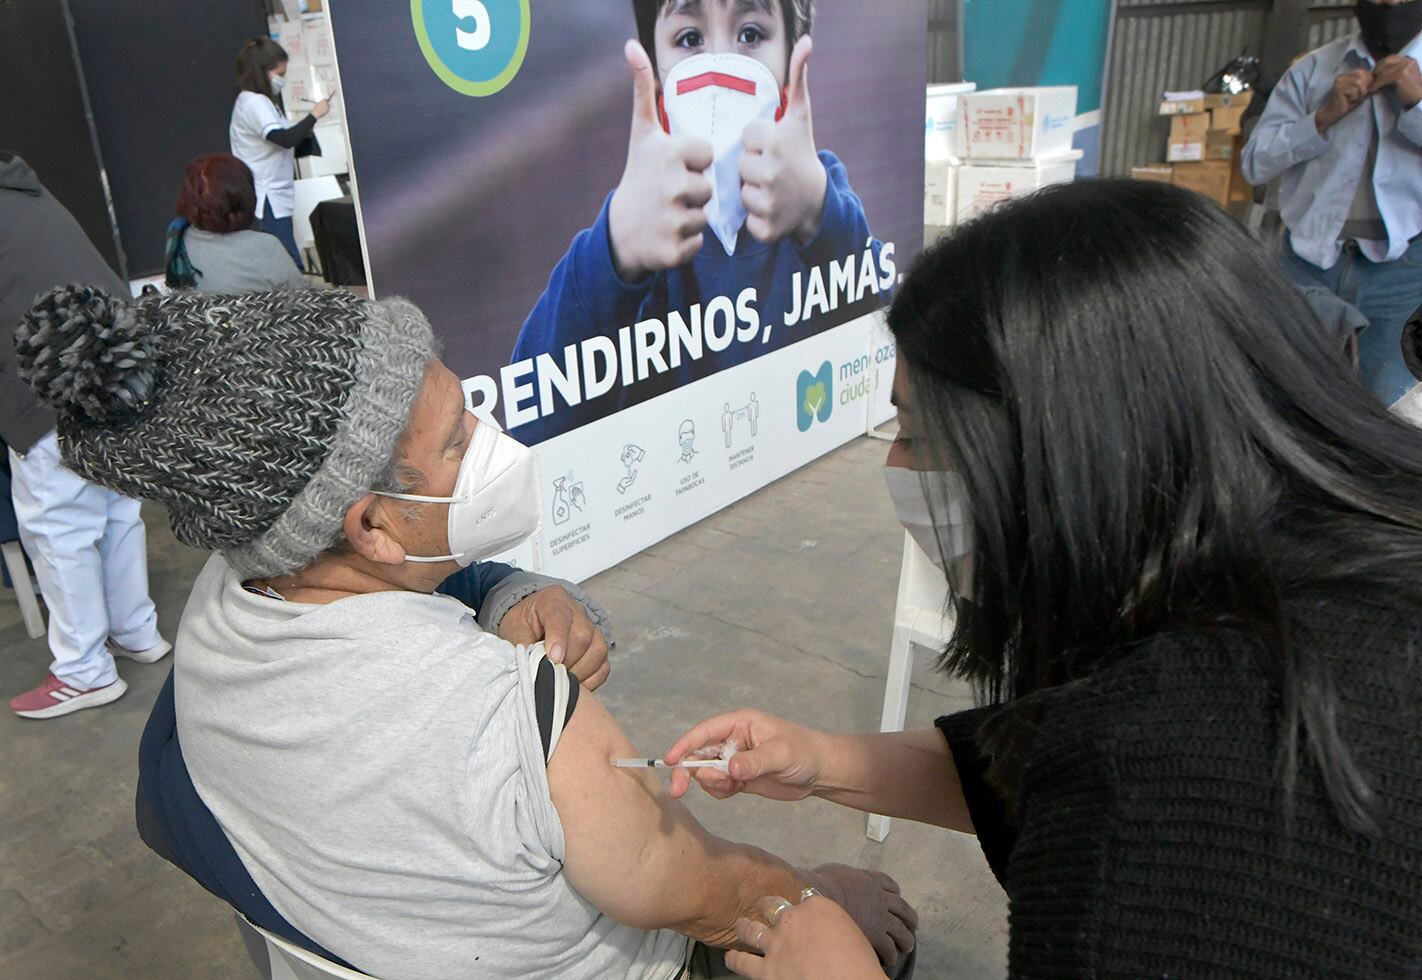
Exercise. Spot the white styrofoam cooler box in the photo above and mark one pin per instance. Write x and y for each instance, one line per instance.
(982, 185)
(940, 192)
(1017, 123)
(940, 126)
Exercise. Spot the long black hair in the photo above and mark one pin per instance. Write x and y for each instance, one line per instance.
(1155, 434)
(256, 61)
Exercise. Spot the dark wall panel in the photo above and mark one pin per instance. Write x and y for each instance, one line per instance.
(44, 116)
(160, 78)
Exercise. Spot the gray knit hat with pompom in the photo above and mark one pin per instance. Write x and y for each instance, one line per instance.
(258, 420)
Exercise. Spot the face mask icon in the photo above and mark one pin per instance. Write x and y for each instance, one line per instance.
(714, 96)
(686, 436)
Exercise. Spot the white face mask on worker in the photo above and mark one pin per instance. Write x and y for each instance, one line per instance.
(714, 96)
(497, 502)
(906, 490)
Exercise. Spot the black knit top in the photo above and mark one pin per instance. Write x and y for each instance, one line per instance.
(1149, 838)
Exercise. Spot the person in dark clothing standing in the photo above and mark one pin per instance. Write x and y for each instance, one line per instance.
(263, 139)
(1193, 612)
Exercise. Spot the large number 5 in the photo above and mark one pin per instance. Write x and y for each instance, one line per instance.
(477, 39)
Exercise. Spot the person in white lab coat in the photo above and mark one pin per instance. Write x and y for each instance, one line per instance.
(88, 543)
(263, 138)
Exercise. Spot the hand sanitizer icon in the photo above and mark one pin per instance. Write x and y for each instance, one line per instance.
(562, 510)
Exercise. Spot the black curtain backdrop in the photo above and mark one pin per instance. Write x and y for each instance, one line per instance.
(44, 115)
(160, 77)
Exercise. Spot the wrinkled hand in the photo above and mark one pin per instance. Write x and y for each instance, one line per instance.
(782, 179)
(658, 212)
(873, 901)
(1403, 74)
(777, 759)
(815, 940)
(1350, 90)
(566, 631)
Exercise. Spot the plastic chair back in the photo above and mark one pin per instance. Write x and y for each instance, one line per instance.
(277, 959)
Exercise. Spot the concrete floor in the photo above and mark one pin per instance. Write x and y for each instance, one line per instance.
(782, 602)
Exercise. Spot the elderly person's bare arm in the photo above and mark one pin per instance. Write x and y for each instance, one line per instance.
(642, 859)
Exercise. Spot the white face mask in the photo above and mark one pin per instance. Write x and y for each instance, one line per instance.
(497, 501)
(278, 83)
(911, 506)
(714, 96)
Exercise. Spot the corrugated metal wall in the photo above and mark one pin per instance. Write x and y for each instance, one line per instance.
(1325, 25)
(1164, 45)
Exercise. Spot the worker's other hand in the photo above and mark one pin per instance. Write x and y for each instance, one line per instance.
(658, 212)
(1350, 90)
(782, 179)
(560, 622)
(776, 759)
(814, 940)
(873, 901)
(1402, 73)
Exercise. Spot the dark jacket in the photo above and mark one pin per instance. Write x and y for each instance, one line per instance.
(1148, 837)
(41, 246)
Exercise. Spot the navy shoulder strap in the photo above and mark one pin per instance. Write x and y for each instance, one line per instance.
(178, 826)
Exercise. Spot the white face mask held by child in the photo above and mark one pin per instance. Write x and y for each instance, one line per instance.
(496, 503)
(714, 97)
(911, 506)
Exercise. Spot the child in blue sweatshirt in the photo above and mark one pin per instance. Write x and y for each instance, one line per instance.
(650, 252)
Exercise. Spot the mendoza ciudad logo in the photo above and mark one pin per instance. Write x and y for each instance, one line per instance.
(814, 396)
(476, 47)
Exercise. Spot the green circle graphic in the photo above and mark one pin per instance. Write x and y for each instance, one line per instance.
(457, 82)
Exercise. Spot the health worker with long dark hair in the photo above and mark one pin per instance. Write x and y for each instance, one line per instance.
(1193, 613)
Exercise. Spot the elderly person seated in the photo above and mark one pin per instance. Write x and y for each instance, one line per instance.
(350, 759)
(212, 246)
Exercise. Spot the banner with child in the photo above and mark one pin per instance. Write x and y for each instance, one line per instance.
(653, 235)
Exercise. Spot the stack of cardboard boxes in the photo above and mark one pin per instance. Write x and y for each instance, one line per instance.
(940, 156)
(1206, 138)
(1008, 142)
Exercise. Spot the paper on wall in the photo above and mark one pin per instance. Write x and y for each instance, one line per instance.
(316, 33)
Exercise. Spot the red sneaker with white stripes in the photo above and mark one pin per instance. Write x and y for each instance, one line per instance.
(54, 698)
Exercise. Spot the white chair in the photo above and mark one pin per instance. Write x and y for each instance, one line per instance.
(24, 588)
(277, 959)
(921, 619)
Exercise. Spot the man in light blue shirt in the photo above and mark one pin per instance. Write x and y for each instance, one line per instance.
(1344, 130)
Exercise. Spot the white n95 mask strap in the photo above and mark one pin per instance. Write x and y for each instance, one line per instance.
(497, 501)
(714, 97)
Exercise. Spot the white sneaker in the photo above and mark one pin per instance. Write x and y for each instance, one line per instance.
(150, 656)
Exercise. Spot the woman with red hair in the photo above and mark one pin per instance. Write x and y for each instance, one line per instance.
(212, 246)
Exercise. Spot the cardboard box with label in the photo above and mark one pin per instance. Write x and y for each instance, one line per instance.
(982, 186)
(1221, 145)
(1227, 111)
(940, 192)
(1210, 178)
(940, 125)
(1161, 172)
(1017, 123)
(1188, 134)
(1182, 107)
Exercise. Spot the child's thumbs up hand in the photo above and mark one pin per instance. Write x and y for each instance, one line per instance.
(658, 211)
(782, 179)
